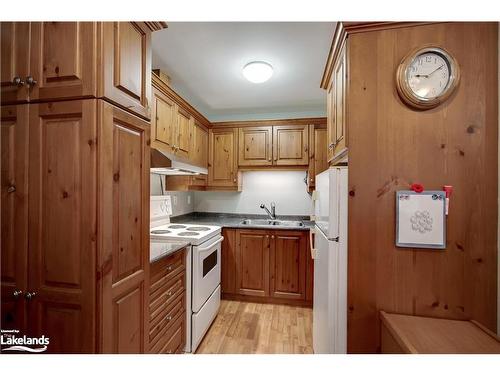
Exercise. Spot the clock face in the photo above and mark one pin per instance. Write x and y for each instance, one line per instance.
(428, 75)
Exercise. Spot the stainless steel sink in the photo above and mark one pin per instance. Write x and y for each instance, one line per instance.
(274, 223)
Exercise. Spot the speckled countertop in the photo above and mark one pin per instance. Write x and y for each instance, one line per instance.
(158, 250)
(234, 220)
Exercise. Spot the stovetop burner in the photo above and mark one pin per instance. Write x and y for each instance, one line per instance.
(185, 234)
(198, 229)
(160, 231)
(177, 226)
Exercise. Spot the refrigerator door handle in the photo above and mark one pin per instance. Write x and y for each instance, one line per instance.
(313, 250)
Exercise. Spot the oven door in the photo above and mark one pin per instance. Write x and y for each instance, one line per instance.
(206, 270)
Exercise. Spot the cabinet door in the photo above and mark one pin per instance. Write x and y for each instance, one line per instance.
(228, 261)
(338, 108)
(15, 51)
(163, 122)
(317, 153)
(199, 155)
(252, 262)
(123, 259)
(126, 65)
(223, 161)
(63, 60)
(288, 265)
(14, 203)
(62, 224)
(291, 145)
(184, 134)
(330, 124)
(255, 146)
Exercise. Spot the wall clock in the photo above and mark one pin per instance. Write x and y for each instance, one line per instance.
(427, 76)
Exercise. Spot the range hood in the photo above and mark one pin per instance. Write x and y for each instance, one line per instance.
(170, 165)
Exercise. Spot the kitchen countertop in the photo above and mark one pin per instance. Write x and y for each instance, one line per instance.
(234, 220)
(160, 250)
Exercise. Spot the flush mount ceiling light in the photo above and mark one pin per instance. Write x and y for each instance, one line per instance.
(257, 71)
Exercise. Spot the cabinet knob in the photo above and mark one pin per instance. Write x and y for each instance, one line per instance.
(30, 81)
(330, 146)
(18, 81)
(17, 293)
(30, 295)
(11, 189)
(169, 268)
(272, 236)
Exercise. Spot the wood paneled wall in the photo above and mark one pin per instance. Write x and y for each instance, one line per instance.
(392, 146)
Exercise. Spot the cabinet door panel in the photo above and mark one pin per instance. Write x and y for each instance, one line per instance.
(228, 261)
(318, 153)
(124, 222)
(163, 122)
(14, 236)
(255, 146)
(288, 265)
(63, 60)
(291, 145)
(183, 140)
(331, 135)
(223, 161)
(62, 223)
(126, 65)
(252, 273)
(15, 52)
(339, 103)
(200, 146)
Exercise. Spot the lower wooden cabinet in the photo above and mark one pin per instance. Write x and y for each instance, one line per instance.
(267, 266)
(75, 252)
(167, 301)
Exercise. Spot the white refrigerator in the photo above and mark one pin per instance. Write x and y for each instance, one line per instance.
(329, 250)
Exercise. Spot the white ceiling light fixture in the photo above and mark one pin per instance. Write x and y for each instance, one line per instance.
(257, 71)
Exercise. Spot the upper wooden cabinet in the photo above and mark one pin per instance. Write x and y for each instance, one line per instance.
(184, 132)
(291, 145)
(255, 146)
(199, 154)
(317, 153)
(336, 87)
(43, 61)
(223, 159)
(163, 122)
(15, 64)
(126, 65)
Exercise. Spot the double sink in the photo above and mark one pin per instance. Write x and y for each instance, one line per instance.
(272, 223)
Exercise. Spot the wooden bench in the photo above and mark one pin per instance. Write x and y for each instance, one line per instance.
(406, 334)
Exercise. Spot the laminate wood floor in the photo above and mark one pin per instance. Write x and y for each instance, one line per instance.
(246, 328)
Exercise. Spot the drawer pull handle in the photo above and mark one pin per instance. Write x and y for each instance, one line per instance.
(169, 293)
(169, 268)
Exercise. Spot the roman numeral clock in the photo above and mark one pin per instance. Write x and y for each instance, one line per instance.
(427, 76)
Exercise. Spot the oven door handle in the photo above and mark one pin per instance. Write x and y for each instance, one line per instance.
(202, 249)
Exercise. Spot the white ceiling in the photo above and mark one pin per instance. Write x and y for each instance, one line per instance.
(204, 61)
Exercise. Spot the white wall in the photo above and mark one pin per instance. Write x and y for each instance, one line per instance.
(286, 188)
(182, 201)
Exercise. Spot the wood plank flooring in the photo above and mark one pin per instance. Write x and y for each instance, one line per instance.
(245, 328)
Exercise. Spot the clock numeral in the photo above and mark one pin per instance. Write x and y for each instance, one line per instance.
(428, 59)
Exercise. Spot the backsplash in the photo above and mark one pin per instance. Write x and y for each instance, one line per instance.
(286, 188)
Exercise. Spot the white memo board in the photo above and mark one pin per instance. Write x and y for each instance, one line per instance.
(421, 219)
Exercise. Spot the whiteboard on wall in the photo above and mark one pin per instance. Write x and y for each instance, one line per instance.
(421, 219)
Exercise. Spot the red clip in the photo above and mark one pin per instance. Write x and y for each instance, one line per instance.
(417, 188)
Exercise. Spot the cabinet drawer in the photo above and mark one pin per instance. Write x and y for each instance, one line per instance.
(163, 303)
(200, 180)
(177, 339)
(166, 268)
(159, 329)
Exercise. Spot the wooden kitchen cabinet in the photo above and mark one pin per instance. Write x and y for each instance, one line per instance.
(317, 154)
(123, 261)
(167, 301)
(126, 65)
(199, 154)
(63, 224)
(267, 266)
(184, 133)
(291, 145)
(255, 146)
(223, 159)
(336, 110)
(288, 265)
(14, 203)
(163, 122)
(252, 262)
(14, 48)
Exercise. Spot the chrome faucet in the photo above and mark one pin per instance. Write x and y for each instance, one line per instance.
(272, 213)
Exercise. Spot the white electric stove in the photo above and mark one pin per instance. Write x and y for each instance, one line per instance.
(203, 267)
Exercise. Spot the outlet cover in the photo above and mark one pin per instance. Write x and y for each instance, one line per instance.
(175, 200)
(189, 199)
